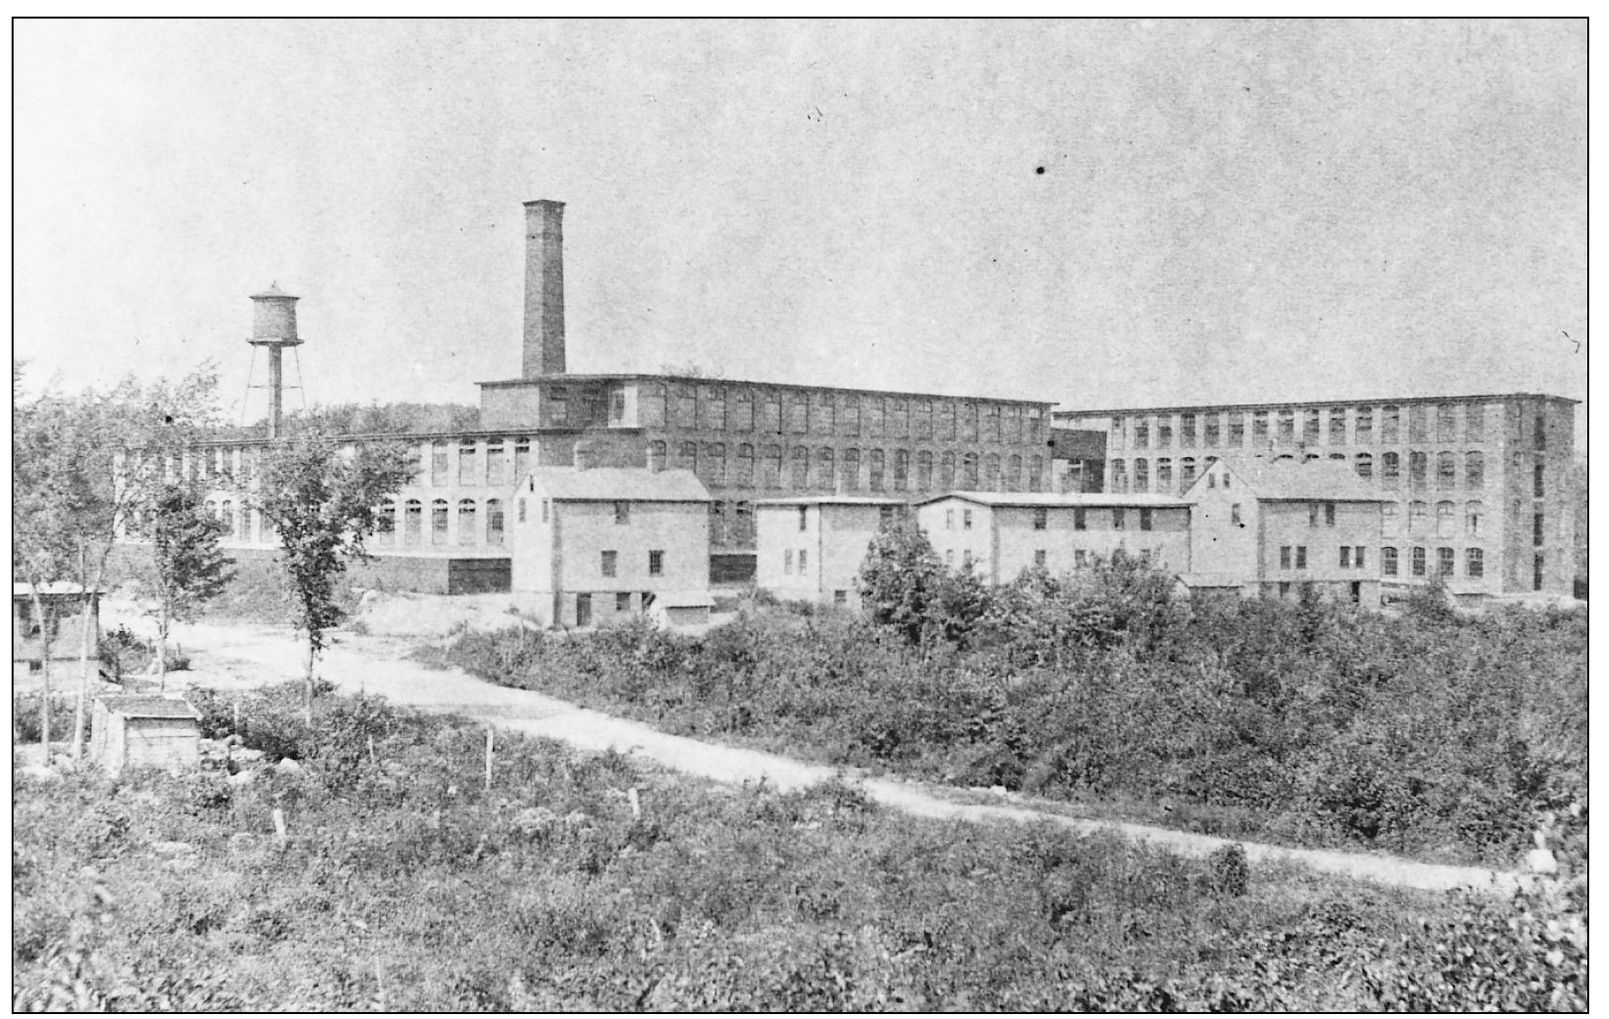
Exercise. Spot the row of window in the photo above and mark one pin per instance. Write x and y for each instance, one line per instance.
(1446, 474)
(1351, 557)
(1210, 429)
(1446, 562)
(492, 468)
(787, 561)
(442, 532)
(1446, 518)
(1041, 518)
(846, 469)
(825, 413)
(609, 562)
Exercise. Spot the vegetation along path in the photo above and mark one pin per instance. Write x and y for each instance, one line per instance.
(245, 655)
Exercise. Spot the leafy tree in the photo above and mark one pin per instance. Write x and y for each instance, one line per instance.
(187, 568)
(323, 498)
(903, 585)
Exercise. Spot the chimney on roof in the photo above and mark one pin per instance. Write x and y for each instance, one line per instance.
(544, 289)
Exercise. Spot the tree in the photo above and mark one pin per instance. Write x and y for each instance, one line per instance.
(187, 567)
(903, 585)
(323, 499)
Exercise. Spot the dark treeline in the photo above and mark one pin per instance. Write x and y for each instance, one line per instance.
(365, 419)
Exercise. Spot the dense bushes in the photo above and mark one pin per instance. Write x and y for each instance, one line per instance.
(405, 885)
(1432, 734)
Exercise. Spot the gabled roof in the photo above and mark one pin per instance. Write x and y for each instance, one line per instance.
(608, 484)
(1149, 500)
(830, 500)
(1295, 480)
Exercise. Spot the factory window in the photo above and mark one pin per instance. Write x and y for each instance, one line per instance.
(622, 512)
(610, 562)
(1536, 572)
(1142, 475)
(902, 469)
(1212, 481)
(558, 406)
(1237, 428)
(713, 399)
(1474, 510)
(1036, 472)
(924, 470)
(1390, 469)
(1012, 482)
(966, 520)
(873, 408)
(1388, 561)
(899, 419)
(651, 409)
(1418, 469)
(468, 474)
(1475, 423)
(1388, 519)
(1209, 436)
(826, 466)
(684, 405)
(1187, 472)
(771, 466)
(438, 463)
(804, 517)
(617, 406)
(1446, 471)
(743, 522)
(946, 420)
(1187, 431)
(1363, 425)
(742, 419)
(1364, 465)
(1080, 558)
(657, 452)
(949, 520)
(849, 424)
(826, 417)
(522, 457)
(1118, 519)
(991, 422)
(1346, 557)
(1474, 563)
(1537, 529)
(520, 504)
(687, 456)
(1390, 424)
(1284, 557)
(468, 531)
(991, 472)
(1011, 423)
(1287, 425)
(850, 470)
(802, 554)
(1337, 426)
(1445, 561)
(1145, 518)
(969, 470)
(1120, 477)
(1259, 428)
(799, 413)
(1357, 556)
(438, 522)
(799, 476)
(1041, 518)
(874, 470)
(1418, 561)
(1039, 558)
(745, 465)
(496, 462)
(718, 531)
(715, 463)
(770, 412)
(1474, 470)
(1537, 486)
(1142, 433)
(494, 521)
(1080, 519)
(1164, 474)
(969, 422)
(922, 416)
(1301, 557)
(656, 562)
(1447, 422)
(1418, 422)
(385, 523)
(412, 521)
(1338, 456)
(1117, 430)
(622, 601)
(1446, 522)
(1310, 424)
(1418, 516)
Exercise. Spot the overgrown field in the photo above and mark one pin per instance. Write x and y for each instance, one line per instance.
(404, 884)
(1432, 734)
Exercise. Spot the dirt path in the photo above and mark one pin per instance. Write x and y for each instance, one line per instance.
(247, 655)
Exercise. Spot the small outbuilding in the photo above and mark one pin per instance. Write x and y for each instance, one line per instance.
(131, 731)
(64, 607)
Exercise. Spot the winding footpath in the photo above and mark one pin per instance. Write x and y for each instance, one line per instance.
(247, 655)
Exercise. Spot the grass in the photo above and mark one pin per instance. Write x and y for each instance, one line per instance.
(404, 884)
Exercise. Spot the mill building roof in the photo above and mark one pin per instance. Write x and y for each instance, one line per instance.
(1147, 500)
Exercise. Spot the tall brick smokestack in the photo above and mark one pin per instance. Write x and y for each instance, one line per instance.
(544, 289)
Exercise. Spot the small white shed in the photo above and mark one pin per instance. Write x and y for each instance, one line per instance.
(133, 731)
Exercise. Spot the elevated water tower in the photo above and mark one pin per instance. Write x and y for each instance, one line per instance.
(274, 328)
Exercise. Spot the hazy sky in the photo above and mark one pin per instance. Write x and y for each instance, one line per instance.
(1099, 214)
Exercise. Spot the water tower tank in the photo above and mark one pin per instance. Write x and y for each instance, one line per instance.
(274, 318)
